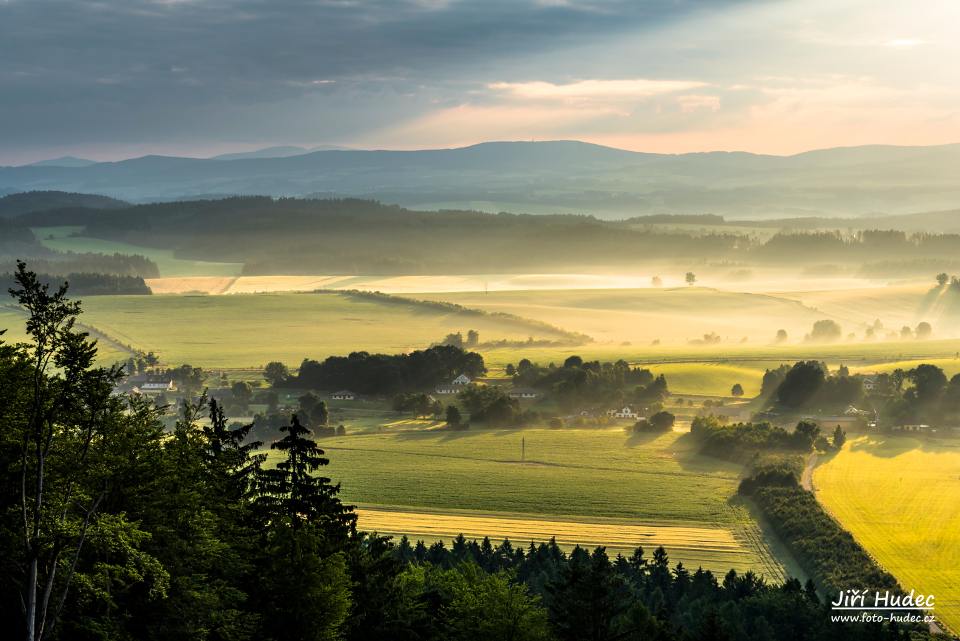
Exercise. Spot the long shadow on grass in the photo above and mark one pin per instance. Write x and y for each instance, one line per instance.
(890, 445)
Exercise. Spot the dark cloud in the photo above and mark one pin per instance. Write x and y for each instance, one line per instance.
(77, 72)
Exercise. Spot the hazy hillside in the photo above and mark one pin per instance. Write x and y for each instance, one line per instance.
(34, 201)
(538, 177)
(351, 236)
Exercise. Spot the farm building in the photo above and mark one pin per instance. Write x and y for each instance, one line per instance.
(454, 386)
(623, 412)
(523, 392)
(343, 395)
(155, 387)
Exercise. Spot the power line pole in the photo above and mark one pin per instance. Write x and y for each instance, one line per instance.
(523, 449)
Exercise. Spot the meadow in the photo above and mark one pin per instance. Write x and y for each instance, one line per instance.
(251, 330)
(900, 497)
(229, 332)
(587, 486)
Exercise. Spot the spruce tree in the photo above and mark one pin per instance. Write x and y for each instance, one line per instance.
(292, 493)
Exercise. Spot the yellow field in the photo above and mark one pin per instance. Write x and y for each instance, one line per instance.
(900, 497)
(709, 547)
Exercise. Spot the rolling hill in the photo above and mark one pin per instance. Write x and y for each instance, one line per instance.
(550, 176)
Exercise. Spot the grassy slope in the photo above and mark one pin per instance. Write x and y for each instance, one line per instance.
(250, 330)
(13, 320)
(569, 476)
(900, 497)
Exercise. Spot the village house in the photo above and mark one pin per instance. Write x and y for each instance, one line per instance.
(623, 412)
(343, 395)
(454, 386)
(523, 392)
(154, 388)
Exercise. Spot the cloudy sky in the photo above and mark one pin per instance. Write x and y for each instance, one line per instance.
(109, 79)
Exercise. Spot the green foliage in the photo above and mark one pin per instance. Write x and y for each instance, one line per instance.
(741, 440)
(491, 405)
(276, 373)
(661, 421)
(589, 384)
(826, 551)
(383, 373)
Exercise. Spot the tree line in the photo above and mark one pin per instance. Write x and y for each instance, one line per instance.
(385, 373)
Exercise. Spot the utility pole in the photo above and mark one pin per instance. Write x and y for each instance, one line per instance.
(523, 449)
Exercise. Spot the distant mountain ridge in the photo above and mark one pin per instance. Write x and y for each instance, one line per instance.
(549, 176)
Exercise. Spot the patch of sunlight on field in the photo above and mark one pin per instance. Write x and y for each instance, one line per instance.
(674, 315)
(713, 379)
(714, 548)
(894, 305)
(900, 497)
(583, 475)
(251, 330)
(63, 239)
(950, 366)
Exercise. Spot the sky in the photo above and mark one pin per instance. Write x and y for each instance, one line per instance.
(110, 79)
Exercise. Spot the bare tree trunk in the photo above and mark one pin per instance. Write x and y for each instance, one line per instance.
(32, 601)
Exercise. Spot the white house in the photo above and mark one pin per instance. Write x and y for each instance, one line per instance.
(463, 379)
(623, 412)
(523, 392)
(157, 387)
(343, 395)
(446, 389)
(870, 383)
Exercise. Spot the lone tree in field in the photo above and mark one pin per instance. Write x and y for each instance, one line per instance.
(839, 437)
(691, 278)
(825, 331)
(923, 331)
(242, 393)
(781, 336)
(942, 279)
(453, 416)
(736, 390)
(276, 373)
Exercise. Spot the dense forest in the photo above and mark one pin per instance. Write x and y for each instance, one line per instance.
(115, 528)
(289, 235)
(88, 283)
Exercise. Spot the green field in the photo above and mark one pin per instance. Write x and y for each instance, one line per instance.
(12, 320)
(247, 331)
(900, 497)
(63, 239)
(567, 477)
